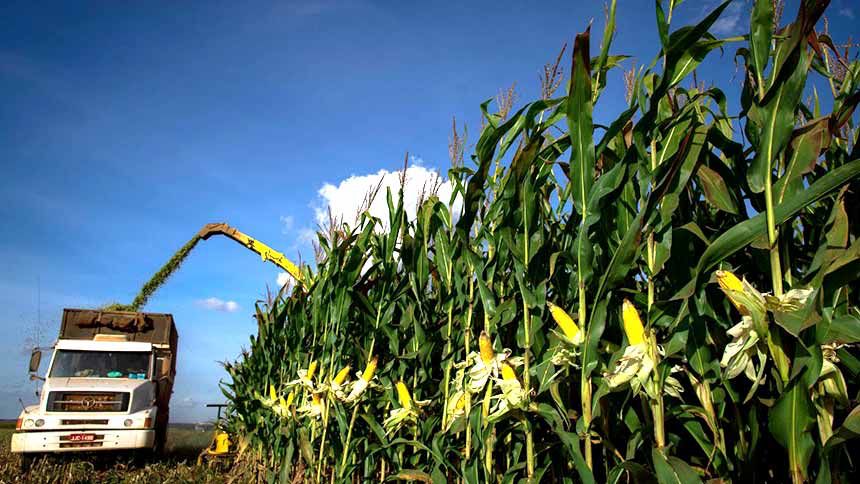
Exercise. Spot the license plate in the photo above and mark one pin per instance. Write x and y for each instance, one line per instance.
(82, 437)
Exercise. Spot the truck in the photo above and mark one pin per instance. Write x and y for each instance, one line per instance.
(108, 385)
(111, 374)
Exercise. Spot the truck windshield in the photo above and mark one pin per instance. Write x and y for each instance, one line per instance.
(101, 364)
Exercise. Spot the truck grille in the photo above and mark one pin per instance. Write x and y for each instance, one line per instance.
(88, 401)
(80, 421)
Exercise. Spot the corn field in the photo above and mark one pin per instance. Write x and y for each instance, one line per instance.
(668, 297)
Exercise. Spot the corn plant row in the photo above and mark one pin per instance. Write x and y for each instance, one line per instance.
(669, 297)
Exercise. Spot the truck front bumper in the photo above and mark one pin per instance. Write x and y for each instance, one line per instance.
(61, 441)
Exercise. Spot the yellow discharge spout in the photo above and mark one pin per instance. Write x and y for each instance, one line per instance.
(159, 278)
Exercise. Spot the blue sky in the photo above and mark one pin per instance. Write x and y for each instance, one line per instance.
(127, 127)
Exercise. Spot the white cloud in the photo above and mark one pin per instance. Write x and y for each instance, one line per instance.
(187, 402)
(731, 21)
(345, 198)
(287, 221)
(306, 235)
(284, 278)
(215, 304)
(846, 12)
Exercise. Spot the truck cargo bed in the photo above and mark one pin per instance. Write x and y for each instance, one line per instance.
(156, 328)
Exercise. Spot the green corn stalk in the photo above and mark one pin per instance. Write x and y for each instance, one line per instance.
(571, 215)
(582, 164)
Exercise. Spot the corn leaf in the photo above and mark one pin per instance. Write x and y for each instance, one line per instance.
(790, 422)
(761, 32)
(671, 470)
(747, 231)
(774, 120)
(716, 191)
(579, 123)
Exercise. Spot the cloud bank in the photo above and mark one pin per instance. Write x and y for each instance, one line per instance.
(215, 304)
(344, 199)
(731, 22)
(284, 278)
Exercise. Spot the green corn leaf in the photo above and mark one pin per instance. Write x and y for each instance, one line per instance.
(806, 145)
(716, 191)
(602, 65)
(774, 120)
(691, 58)
(622, 258)
(672, 470)
(672, 139)
(484, 150)
(550, 201)
(701, 436)
(524, 121)
(689, 151)
(790, 422)
(629, 471)
(616, 127)
(571, 444)
(850, 429)
(844, 329)
(795, 34)
(846, 109)
(761, 32)
(747, 231)
(662, 24)
(684, 51)
(593, 332)
(579, 123)
(410, 475)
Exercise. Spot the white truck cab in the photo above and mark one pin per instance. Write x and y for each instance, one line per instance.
(103, 391)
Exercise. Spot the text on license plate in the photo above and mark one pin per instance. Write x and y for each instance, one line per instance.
(82, 437)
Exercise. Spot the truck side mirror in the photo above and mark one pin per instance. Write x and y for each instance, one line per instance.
(35, 359)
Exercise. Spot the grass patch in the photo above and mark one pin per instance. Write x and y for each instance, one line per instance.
(177, 464)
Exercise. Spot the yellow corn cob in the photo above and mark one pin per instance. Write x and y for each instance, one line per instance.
(312, 369)
(370, 370)
(403, 395)
(564, 321)
(486, 346)
(730, 283)
(632, 324)
(341, 375)
(272, 394)
(290, 398)
(461, 402)
(508, 373)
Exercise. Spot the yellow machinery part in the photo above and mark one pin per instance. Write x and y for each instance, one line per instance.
(220, 444)
(266, 253)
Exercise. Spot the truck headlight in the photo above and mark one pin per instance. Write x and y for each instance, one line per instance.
(28, 423)
(128, 422)
(40, 422)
